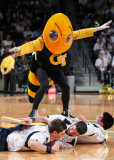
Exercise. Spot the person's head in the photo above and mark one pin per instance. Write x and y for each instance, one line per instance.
(77, 129)
(101, 55)
(6, 49)
(57, 129)
(106, 52)
(8, 37)
(12, 54)
(105, 120)
(104, 46)
(58, 34)
(100, 40)
(13, 44)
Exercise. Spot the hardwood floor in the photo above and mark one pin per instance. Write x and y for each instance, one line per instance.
(88, 105)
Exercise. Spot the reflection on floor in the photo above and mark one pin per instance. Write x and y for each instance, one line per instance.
(88, 105)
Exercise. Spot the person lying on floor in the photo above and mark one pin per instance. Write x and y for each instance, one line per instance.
(94, 133)
(32, 137)
(74, 129)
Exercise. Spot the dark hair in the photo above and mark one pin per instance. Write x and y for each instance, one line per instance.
(10, 53)
(57, 125)
(107, 120)
(81, 127)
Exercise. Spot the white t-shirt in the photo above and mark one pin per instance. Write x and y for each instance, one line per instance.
(99, 62)
(107, 58)
(16, 140)
(67, 141)
(95, 134)
(98, 46)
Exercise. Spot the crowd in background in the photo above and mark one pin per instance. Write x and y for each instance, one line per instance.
(95, 13)
(22, 21)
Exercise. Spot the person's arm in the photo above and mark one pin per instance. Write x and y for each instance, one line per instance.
(2, 67)
(64, 145)
(4, 72)
(88, 32)
(83, 118)
(32, 46)
(37, 146)
(83, 33)
(42, 119)
(36, 119)
(11, 65)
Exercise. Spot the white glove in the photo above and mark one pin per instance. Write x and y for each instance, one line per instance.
(15, 49)
(104, 26)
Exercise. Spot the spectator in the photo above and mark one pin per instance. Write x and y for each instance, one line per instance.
(111, 29)
(20, 27)
(101, 38)
(37, 33)
(110, 45)
(101, 66)
(86, 22)
(107, 58)
(103, 48)
(22, 61)
(4, 52)
(28, 32)
(27, 39)
(7, 69)
(97, 47)
(8, 41)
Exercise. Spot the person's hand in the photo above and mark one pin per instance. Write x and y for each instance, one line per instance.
(15, 49)
(4, 73)
(55, 148)
(102, 27)
(106, 25)
(82, 118)
(27, 121)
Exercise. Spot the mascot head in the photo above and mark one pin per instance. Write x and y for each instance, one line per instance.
(57, 34)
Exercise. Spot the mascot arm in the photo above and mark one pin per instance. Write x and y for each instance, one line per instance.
(83, 33)
(32, 46)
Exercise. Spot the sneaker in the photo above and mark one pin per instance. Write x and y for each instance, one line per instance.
(33, 113)
(67, 113)
(5, 94)
(12, 95)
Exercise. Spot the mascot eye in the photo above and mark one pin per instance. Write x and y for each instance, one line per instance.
(69, 39)
(53, 35)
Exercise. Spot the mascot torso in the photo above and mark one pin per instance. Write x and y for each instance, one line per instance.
(50, 61)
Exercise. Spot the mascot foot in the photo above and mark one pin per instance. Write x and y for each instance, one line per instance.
(33, 113)
(67, 113)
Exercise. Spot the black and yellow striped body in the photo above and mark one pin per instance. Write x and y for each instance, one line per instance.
(33, 83)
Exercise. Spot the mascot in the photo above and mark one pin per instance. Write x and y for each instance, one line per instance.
(51, 57)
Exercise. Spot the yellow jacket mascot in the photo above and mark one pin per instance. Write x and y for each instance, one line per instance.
(51, 58)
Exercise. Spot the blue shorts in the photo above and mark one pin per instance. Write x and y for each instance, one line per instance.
(4, 132)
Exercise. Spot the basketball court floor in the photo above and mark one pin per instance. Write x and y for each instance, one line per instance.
(88, 105)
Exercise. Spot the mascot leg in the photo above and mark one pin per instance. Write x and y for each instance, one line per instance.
(42, 77)
(59, 78)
